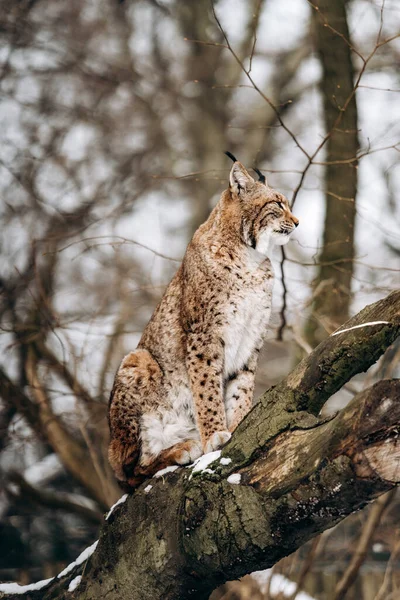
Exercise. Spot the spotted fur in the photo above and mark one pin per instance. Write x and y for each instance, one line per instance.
(191, 379)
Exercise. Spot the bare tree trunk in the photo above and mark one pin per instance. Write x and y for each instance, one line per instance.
(208, 127)
(333, 283)
(295, 475)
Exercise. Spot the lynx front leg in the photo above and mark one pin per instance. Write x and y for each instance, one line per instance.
(205, 367)
(239, 393)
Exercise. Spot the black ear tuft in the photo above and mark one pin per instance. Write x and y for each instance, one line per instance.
(261, 177)
(231, 156)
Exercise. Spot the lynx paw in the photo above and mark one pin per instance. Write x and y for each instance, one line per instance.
(217, 440)
(190, 453)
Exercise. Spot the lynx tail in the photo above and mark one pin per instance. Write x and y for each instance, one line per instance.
(123, 459)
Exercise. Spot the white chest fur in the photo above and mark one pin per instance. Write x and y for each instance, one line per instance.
(247, 320)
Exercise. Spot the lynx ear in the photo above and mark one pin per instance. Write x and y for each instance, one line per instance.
(239, 179)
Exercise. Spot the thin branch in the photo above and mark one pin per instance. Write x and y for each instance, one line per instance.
(282, 313)
(374, 518)
(121, 242)
(384, 589)
(249, 76)
(55, 500)
(308, 563)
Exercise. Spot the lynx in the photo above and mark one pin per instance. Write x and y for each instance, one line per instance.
(190, 381)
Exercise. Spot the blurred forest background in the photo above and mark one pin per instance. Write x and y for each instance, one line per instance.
(114, 119)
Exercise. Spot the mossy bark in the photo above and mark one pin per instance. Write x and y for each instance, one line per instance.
(190, 532)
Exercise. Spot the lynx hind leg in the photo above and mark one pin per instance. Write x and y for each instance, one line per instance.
(169, 437)
(136, 384)
(183, 453)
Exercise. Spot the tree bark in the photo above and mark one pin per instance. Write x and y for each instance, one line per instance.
(333, 282)
(183, 534)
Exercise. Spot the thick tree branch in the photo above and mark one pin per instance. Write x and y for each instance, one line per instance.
(62, 370)
(181, 535)
(56, 500)
(44, 422)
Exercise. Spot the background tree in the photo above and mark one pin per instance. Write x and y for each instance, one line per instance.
(333, 283)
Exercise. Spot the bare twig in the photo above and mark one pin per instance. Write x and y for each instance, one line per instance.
(256, 87)
(55, 500)
(282, 326)
(308, 563)
(383, 593)
(374, 518)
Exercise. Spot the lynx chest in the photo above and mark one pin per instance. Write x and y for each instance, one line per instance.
(247, 317)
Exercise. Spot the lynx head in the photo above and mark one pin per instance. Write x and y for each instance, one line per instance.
(266, 218)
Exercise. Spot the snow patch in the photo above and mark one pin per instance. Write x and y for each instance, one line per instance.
(147, 488)
(87, 553)
(234, 478)
(362, 325)
(279, 586)
(44, 470)
(386, 404)
(73, 584)
(79, 499)
(225, 461)
(201, 464)
(15, 588)
(166, 470)
(120, 501)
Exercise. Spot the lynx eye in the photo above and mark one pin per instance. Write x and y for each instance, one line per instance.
(280, 204)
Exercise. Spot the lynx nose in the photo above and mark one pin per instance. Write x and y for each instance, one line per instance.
(295, 221)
